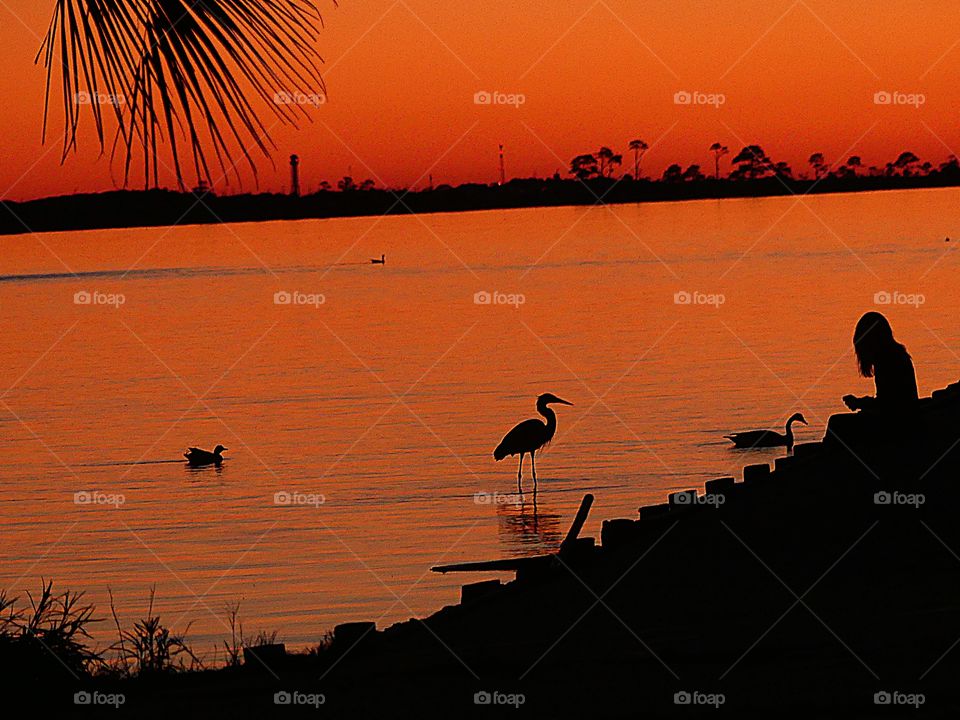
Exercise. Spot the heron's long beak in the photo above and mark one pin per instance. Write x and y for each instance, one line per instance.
(562, 402)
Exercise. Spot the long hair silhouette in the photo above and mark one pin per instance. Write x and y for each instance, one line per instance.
(881, 357)
(873, 341)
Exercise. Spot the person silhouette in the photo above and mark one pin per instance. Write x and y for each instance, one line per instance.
(881, 357)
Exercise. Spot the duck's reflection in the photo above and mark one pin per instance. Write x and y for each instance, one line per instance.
(203, 472)
(526, 528)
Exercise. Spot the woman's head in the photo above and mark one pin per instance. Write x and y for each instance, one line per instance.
(872, 339)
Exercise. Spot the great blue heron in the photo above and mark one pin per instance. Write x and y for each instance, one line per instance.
(767, 438)
(530, 435)
(197, 457)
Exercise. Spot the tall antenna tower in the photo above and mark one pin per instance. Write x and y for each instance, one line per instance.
(503, 173)
(295, 175)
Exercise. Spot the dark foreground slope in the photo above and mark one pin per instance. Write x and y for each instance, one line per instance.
(829, 587)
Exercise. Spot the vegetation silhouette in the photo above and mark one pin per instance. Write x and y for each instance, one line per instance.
(591, 182)
(718, 151)
(166, 69)
(639, 148)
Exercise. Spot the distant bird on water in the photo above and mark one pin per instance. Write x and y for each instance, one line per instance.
(767, 438)
(381, 261)
(197, 457)
(530, 435)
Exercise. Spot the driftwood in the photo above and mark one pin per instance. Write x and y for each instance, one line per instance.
(517, 564)
(578, 521)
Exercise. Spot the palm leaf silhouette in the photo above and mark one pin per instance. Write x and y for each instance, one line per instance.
(201, 76)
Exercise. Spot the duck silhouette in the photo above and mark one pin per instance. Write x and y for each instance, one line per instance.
(197, 457)
(767, 438)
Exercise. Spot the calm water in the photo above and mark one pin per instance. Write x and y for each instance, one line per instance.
(388, 398)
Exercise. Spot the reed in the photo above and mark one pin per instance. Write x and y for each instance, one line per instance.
(149, 647)
(51, 630)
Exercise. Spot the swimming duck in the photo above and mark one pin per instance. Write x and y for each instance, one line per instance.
(197, 457)
(767, 438)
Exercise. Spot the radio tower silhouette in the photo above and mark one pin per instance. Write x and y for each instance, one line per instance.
(295, 175)
(503, 173)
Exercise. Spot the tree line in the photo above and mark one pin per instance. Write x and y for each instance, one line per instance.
(753, 163)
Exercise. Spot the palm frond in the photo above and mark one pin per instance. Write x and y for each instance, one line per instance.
(206, 78)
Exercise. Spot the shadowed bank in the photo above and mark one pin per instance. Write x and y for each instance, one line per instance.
(149, 208)
(821, 584)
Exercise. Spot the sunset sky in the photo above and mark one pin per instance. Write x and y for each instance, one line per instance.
(796, 77)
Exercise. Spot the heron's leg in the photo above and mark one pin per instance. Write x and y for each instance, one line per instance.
(520, 475)
(533, 462)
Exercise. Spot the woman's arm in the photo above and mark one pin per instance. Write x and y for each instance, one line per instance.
(859, 403)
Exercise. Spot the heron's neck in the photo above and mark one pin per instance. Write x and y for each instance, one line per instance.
(551, 417)
(790, 423)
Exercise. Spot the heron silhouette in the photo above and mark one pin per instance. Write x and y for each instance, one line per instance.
(529, 436)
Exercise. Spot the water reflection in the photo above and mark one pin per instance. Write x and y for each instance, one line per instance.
(196, 472)
(526, 528)
(311, 408)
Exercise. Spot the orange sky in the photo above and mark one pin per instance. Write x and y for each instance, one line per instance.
(797, 77)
